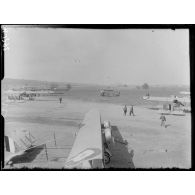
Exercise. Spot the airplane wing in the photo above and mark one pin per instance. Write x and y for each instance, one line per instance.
(167, 99)
(39, 92)
(13, 92)
(12, 149)
(9, 155)
(162, 99)
(88, 143)
(184, 99)
(185, 92)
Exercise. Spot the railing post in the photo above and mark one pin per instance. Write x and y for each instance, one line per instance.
(46, 152)
(54, 135)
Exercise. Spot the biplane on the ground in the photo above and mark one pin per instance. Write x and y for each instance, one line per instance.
(13, 149)
(21, 96)
(109, 93)
(22, 150)
(14, 96)
(90, 149)
(173, 105)
(185, 92)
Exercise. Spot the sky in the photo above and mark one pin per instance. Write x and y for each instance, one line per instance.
(129, 56)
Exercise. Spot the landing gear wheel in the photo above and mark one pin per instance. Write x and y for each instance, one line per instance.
(106, 157)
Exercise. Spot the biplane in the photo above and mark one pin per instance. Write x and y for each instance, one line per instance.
(24, 95)
(90, 149)
(18, 150)
(14, 96)
(185, 92)
(13, 149)
(173, 105)
(109, 93)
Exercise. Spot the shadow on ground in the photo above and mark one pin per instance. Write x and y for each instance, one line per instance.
(28, 156)
(121, 157)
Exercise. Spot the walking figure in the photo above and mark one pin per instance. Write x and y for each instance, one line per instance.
(125, 110)
(131, 111)
(60, 100)
(163, 119)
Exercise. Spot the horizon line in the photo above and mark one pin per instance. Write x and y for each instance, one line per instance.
(121, 84)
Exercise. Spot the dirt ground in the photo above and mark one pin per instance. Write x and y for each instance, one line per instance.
(149, 144)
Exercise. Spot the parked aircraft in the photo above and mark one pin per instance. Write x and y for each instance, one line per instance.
(172, 99)
(109, 92)
(37, 93)
(22, 95)
(173, 105)
(16, 149)
(185, 92)
(90, 149)
(13, 148)
(14, 96)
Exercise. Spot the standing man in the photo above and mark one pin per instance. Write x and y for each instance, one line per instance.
(125, 110)
(60, 100)
(131, 111)
(163, 119)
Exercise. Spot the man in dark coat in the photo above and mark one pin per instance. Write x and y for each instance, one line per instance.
(163, 119)
(125, 110)
(131, 111)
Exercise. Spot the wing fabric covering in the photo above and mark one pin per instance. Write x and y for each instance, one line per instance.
(88, 143)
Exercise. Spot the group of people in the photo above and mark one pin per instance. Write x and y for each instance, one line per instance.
(131, 112)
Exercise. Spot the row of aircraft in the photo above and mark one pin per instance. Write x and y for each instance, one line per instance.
(90, 149)
(173, 105)
(24, 95)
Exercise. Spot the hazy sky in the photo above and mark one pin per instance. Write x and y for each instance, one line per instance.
(98, 56)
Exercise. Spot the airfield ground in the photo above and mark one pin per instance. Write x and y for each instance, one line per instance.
(149, 144)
